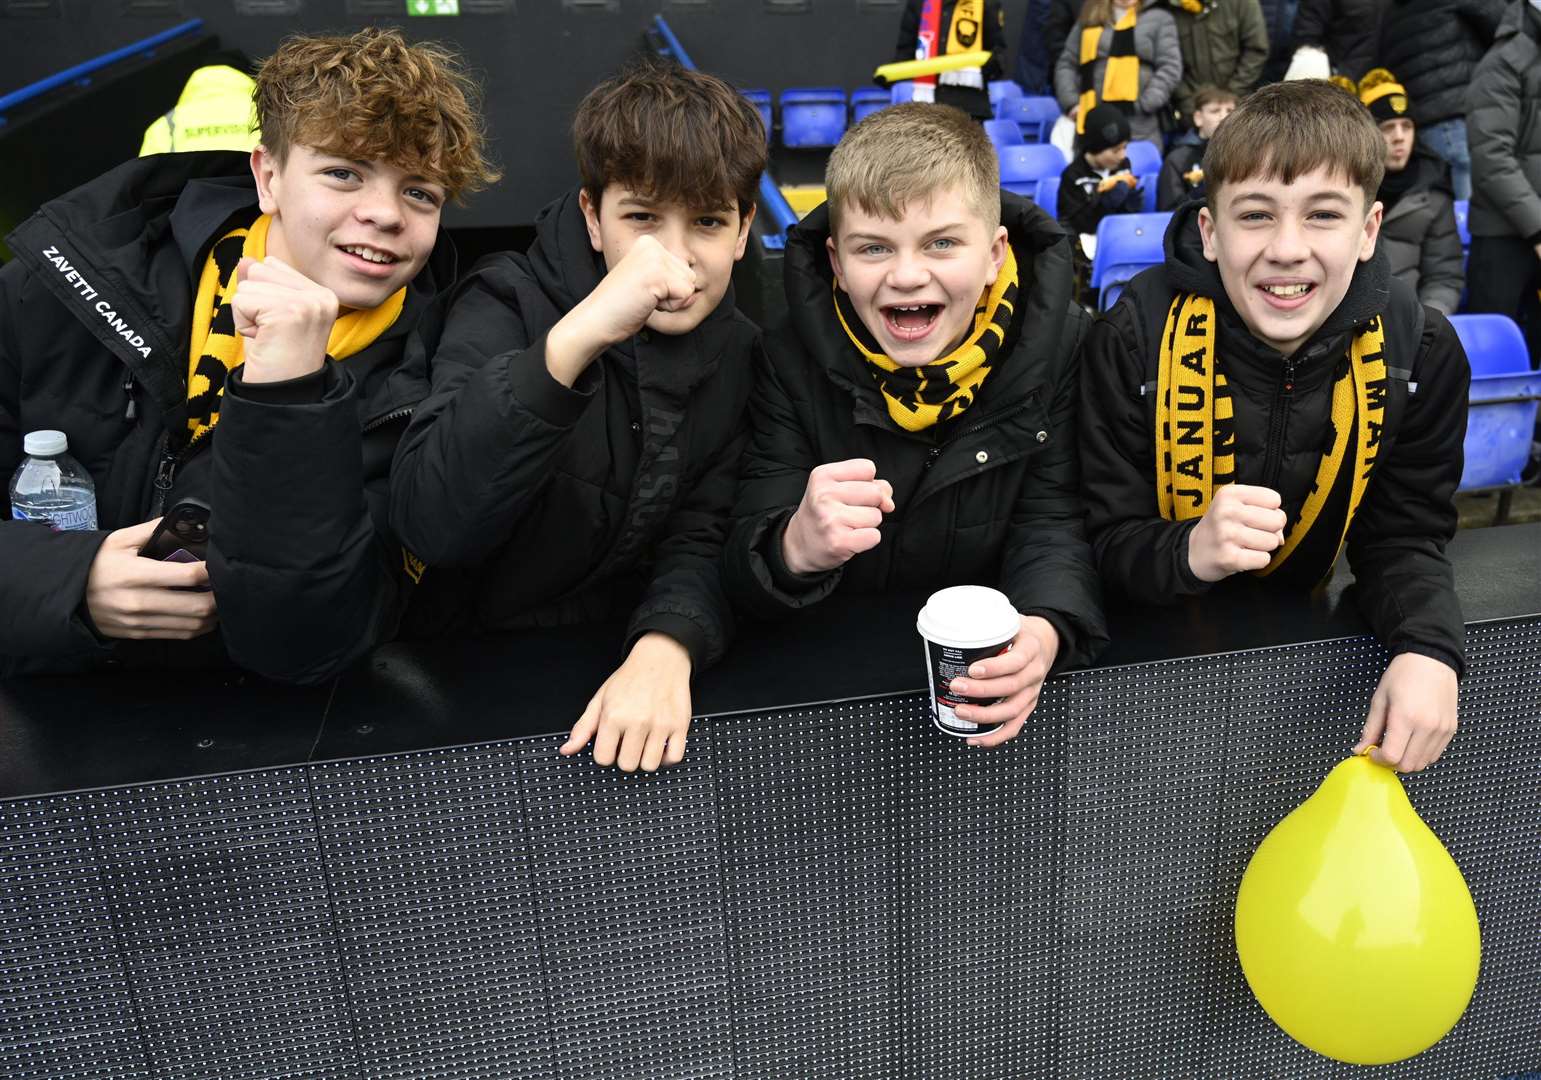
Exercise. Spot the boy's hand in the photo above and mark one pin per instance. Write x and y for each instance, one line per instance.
(1016, 676)
(1412, 715)
(842, 507)
(285, 317)
(1239, 531)
(650, 278)
(131, 597)
(642, 712)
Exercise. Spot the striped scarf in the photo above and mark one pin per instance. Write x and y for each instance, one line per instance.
(216, 349)
(1121, 76)
(1196, 434)
(921, 397)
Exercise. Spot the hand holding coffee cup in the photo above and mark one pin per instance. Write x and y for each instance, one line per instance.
(842, 507)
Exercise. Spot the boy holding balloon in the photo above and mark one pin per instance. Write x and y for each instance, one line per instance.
(1271, 395)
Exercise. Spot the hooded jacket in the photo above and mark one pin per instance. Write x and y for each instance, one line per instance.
(1503, 130)
(95, 321)
(604, 500)
(1432, 47)
(987, 498)
(1419, 235)
(1396, 544)
(1161, 68)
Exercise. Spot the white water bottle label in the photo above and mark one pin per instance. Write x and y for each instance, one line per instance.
(81, 518)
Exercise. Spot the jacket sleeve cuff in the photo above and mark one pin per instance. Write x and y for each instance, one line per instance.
(535, 388)
(305, 390)
(682, 630)
(1067, 639)
(783, 577)
(1451, 660)
(1192, 584)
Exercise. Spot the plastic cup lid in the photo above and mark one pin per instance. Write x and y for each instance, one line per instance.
(968, 616)
(45, 443)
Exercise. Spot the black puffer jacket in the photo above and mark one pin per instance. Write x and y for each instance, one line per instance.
(578, 504)
(94, 325)
(1503, 130)
(1348, 31)
(987, 499)
(1419, 235)
(1396, 544)
(1432, 47)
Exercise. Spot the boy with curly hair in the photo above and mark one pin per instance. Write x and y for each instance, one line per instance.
(230, 330)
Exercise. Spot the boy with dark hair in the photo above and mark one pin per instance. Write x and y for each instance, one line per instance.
(208, 326)
(580, 448)
(1271, 393)
(1182, 173)
(914, 425)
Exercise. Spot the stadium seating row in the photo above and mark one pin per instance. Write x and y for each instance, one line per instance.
(816, 116)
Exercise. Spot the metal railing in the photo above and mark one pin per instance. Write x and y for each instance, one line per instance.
(81, 73)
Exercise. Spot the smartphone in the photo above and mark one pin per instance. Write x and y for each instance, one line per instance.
(182, 535)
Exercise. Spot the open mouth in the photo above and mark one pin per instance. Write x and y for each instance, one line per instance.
(374, 258)
(1287, 295)
(911, 322)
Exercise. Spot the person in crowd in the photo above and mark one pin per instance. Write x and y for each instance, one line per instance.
(1098, 182)
(231, 328)
(1272, 392)
(1123, 53)
(1417, 229)
(933, 28)
(1044, 31)
(1224, 43)
(578, 454)
(1279, 22)
(213, 112)
(914, 423)
(1342, 36)
(1503, 117)
(1182, 171)
(1433, 46)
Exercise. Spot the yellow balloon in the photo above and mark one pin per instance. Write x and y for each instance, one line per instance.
(1354, 926)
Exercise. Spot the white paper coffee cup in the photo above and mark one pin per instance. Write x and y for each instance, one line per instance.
(959, 626)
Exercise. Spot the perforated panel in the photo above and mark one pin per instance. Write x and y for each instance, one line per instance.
(427, 856)
(218, 895)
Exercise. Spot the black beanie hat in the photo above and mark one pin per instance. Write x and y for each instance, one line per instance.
(1106, 126)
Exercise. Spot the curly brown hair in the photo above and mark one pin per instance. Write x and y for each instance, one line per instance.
(670, 134)
(373, 96)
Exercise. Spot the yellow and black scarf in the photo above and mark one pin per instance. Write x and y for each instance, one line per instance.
(919, 398)
(1121, 76)
(216, 349)
(1195, 428)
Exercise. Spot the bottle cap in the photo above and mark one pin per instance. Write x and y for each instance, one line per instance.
(45, 443)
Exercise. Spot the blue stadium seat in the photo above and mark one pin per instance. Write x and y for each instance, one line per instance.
(1023, 166)
(1462, 212)
(1126, 244)
(1034, 115)
(1003, 88)
(1143, 157)
(1003, 132)
(812, 116)
(900, 92)
(1047, 196)
(1501, 416)
(1148, 189)
(867, 100)
(761, 100)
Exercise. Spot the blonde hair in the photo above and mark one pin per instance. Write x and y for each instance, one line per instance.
(908, 153)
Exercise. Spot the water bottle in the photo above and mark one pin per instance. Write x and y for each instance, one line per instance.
(50, 486)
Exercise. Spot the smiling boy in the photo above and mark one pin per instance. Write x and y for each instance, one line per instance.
(270, 300)
(1272, 393)
(579, 453)
(914, 424)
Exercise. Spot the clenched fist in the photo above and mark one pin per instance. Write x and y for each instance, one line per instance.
(285, 317)
(842, 507)
(1240, 531)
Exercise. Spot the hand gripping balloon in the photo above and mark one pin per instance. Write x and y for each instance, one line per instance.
(1354, 926)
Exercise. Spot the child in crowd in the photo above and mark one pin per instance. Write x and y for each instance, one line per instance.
(1272, 392)
(914, 425)
(230, 328)
(1124, 53)
(580, 448)
(1098, 182)
(1182, 173)
(934, 28)
(1417, 200)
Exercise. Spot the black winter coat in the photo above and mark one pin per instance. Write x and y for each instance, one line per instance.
(1396, 544)
(1432, 47)
(1348, 31)
(989, 498)
(1503, 130)
(1418, 234)
(991, 39)
(576, 505)
(95, 316)
(1082, 207)
(1172, 186)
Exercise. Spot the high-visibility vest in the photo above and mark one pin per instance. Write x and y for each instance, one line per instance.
(215, 112)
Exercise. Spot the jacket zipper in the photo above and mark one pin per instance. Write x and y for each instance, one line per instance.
(1277, 424)
(390, 417)
(166, 471)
